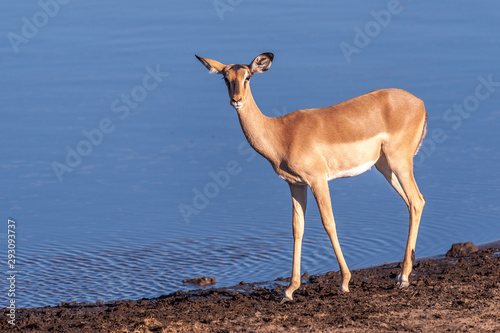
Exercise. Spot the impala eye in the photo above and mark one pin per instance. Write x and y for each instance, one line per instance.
(248, 78)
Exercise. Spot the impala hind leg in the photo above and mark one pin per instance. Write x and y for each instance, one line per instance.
(416, 202)
(400, 176)
(299, 200)
(383, 167)
(322, 195)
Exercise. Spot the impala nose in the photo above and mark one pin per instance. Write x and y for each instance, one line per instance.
(237, 104)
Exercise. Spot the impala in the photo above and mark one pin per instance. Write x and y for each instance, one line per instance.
(312, 146)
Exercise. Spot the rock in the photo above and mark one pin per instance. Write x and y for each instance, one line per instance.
(462, 249)
(201, 281)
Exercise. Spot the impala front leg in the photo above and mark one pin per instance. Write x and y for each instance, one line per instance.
(299, 200)
(322, 194)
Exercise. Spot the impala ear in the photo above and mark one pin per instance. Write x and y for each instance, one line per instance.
(261, 63)
(213, 66)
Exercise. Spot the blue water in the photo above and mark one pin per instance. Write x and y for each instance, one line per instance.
(108, 224)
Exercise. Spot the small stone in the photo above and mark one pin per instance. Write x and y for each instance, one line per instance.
(462, 249)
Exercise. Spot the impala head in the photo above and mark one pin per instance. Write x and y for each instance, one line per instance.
(237, 77)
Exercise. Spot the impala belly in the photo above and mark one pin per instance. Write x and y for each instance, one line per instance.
(352, 172)
(352, 159)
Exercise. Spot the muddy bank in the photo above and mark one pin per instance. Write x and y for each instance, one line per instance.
(459, 294)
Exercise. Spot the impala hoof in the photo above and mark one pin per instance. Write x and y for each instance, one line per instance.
(344, 289)
(402, 281)
(403, 284)
(287, 296)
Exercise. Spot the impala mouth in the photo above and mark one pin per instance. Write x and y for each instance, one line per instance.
(237, 105)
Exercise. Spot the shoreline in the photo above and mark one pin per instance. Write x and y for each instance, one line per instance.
(277, 280)
(451, 293)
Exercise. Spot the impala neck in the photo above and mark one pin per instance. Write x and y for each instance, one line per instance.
(258, 128)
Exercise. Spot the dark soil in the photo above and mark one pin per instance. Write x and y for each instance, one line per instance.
(457, 294)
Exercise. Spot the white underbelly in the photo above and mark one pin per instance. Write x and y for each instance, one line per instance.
(352, 172)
